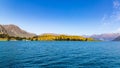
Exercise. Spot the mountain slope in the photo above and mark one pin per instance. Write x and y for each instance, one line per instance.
(2, 30)
(13, 30)
(117, 39)
(106, 37)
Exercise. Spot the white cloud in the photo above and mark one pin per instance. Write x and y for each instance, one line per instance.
(116, 4)
(112, 19)
(116, 13)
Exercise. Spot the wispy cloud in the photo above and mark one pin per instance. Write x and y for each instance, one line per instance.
(116, 4)
(113, 18)
(116, 12)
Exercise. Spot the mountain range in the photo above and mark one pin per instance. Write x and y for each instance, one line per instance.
(13, 30)
(106, 36)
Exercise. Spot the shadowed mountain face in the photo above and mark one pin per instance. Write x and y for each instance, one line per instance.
(13, 30)
(117, 39)
(106, 37)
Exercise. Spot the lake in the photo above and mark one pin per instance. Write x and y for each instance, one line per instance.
(59, 54)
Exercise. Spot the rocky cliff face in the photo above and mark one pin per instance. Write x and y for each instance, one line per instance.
(13, 30)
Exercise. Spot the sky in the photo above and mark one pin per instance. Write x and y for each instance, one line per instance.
(73, 17)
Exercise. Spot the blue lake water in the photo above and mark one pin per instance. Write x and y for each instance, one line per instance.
(59, 54)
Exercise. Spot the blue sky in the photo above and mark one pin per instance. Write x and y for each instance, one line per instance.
(74, 17)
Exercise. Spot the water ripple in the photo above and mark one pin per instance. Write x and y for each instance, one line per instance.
(59, 54)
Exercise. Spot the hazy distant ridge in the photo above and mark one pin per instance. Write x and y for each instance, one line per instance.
(106, 36)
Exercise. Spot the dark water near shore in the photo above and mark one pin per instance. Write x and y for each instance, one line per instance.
(59, 54)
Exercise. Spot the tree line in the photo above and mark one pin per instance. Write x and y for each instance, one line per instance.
(46, 37)
(49, 37)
